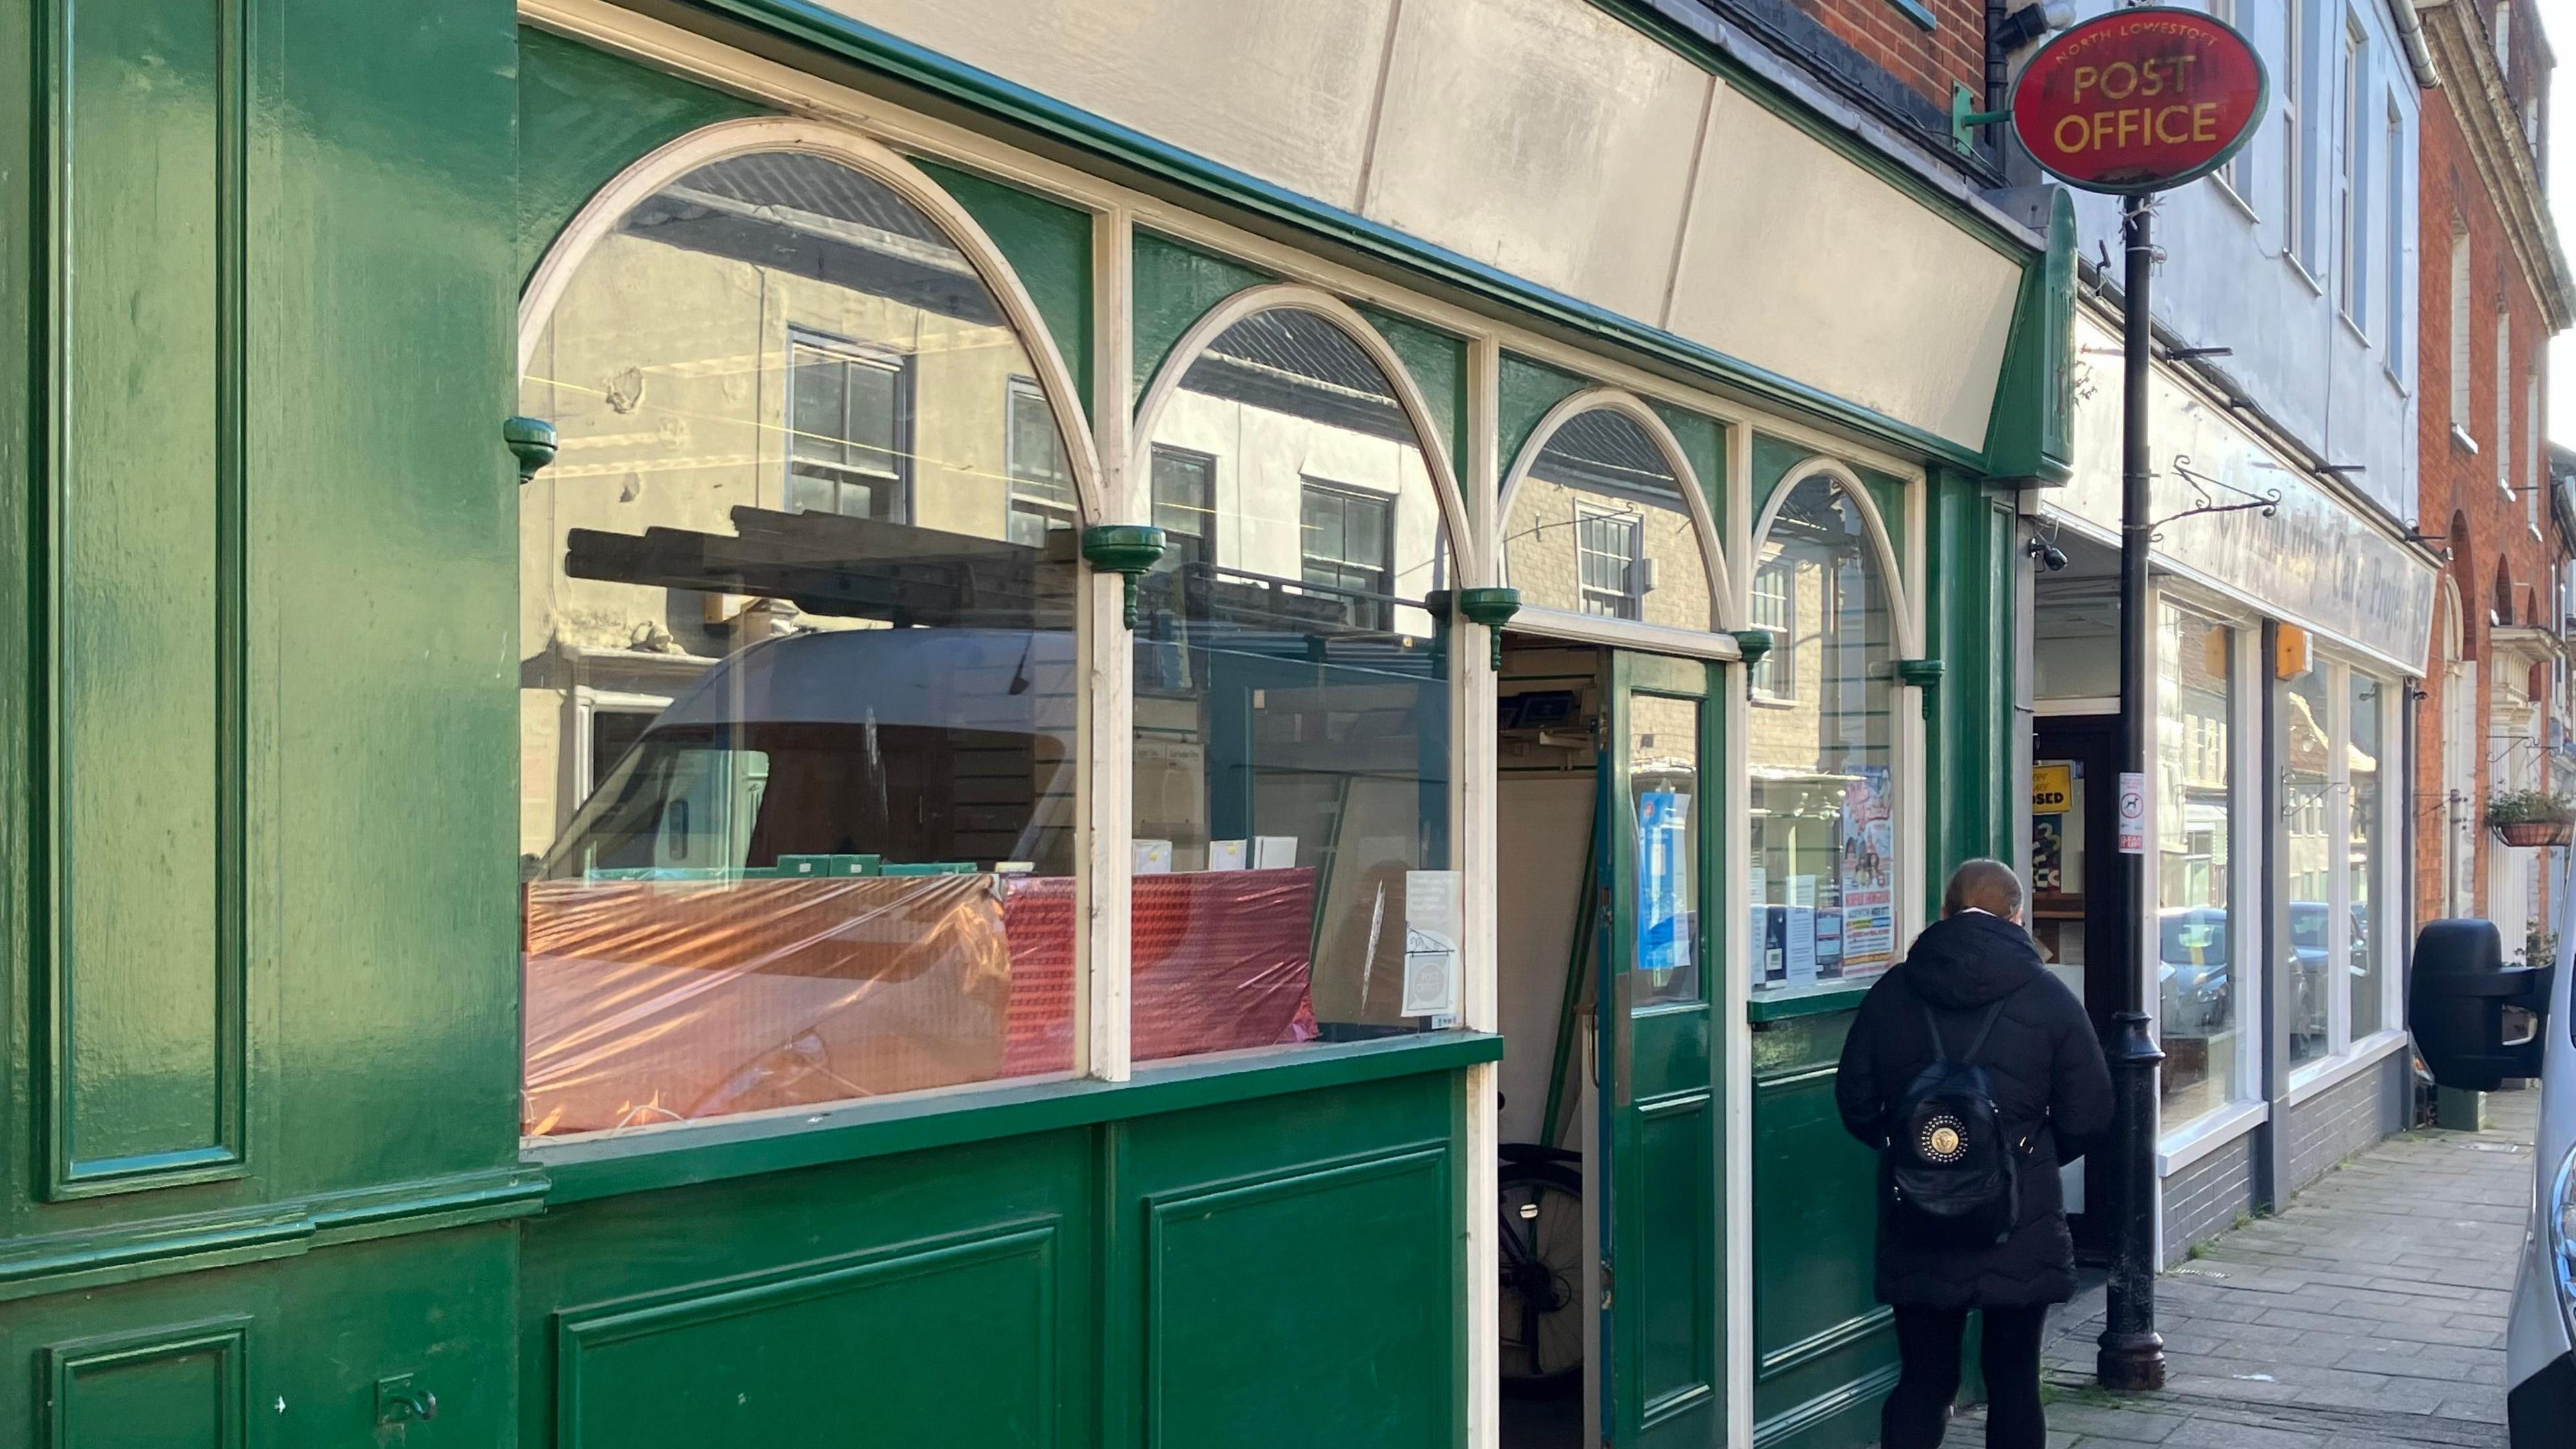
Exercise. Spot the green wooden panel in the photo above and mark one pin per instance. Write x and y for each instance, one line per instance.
(1524, 391)
(386, 591)
(586, 115)
(1772, 460)
(1703, 443)
(944, 1342)
(639, 1325)
(1824, 1348)
(162, 1388)
(1438, 364)
(1288, 1272)
(1674, 1286)
(2031, 431)
(1049, 248)
(141, 622)
(1292, 1310)
(1175, 286)
(1971, 600)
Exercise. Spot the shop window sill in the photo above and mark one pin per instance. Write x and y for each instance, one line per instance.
(616, 1164)
(1781, 1003)
(2210, 1134)
(2325, 1076)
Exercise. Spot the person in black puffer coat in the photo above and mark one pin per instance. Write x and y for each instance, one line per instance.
(2047, 1078)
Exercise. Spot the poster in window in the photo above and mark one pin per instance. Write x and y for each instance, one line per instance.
(1868, 848)
(1663, 863)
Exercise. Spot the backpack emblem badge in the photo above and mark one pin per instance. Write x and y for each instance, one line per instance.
(1941, 1140)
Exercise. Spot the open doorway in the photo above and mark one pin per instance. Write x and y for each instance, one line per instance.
(1607, 835)
(1548, 789)
(2080, 912)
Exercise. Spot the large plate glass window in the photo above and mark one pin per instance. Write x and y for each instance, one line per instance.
(2310, 976)
(1292, 787)
(2199, 999)
(2368, 857)
(809, 493)
(1822, 744)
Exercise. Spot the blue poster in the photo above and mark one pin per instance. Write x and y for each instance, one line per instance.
(1663, 867)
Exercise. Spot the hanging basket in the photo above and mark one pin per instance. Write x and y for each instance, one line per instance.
(2529, 833)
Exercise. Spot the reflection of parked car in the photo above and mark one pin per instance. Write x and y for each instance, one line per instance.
(2191, 955)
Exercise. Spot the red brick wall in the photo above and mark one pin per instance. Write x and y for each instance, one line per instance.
(2456, 484)
(1954, 50)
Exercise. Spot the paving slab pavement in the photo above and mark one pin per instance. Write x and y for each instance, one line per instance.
(2368, 1314)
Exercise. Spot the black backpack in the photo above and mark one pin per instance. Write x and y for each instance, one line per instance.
(1953, 1172)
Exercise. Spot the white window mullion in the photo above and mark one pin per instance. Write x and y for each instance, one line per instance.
(1102, 1038)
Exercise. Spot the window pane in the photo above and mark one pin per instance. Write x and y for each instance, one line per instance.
(1292, 731)
(2366, 858)
(2308, 855)
(1663, 782)
(1184, 508)
(1598, 525)
(839, 863)
(1824, 790)
(2196, 1006)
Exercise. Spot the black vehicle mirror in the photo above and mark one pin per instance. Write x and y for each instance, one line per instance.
(2468, 1009)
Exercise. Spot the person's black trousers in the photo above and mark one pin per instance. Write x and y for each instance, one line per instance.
(1927, 1341)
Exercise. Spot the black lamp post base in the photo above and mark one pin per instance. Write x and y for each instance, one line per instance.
(2131, 1362)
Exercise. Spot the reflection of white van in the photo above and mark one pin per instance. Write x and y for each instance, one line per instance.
(913, 745)
(2474, 1022)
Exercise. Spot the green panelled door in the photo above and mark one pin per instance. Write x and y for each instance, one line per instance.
(1664, 1373)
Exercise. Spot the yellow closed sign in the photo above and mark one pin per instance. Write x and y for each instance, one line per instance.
(2052, 789)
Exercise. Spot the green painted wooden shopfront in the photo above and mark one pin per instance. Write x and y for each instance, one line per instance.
(265, 1177)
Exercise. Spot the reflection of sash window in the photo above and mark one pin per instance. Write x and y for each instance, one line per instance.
(1185, 505)
(1607, 547)
(1042, 498)
(1775, 608)
(849, 413)
(1346, 543)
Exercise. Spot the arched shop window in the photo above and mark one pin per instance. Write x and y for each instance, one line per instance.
(1604, 520)
(798, 651)
(1822, 741)
(1293, 871)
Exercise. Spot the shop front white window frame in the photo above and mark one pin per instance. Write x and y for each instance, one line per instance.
(2348, 1056)
(1906, 743)
(2247, 852)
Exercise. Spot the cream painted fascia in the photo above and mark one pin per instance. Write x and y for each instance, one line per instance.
(1553, 142)
(2507, 170)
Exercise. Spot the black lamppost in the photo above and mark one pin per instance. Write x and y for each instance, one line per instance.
(2133, 1353)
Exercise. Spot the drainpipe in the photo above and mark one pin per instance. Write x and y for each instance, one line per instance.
(1998, 65)
(2410, 34)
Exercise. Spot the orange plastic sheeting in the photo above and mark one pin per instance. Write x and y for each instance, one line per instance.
(658, 1001)
(1219, 961)
(655, 1001)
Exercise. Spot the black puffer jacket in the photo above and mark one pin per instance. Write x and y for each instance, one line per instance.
(2044, 1069)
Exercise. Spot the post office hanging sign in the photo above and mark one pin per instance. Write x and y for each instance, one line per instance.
(2139, 100)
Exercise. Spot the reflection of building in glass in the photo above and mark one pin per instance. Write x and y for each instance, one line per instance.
(1599, 525)
(1822, 742)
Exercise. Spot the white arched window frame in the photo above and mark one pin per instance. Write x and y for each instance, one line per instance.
(1712, 642)
(1343, 317)
(1906, 641)
(765, 134)
(1099, 1041)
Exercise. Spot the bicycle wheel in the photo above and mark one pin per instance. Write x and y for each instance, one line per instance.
(1542, 1262)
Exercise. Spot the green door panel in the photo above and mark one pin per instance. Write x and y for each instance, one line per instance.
(1048, 246)
(168, 1388)
(142, 619)
(1175, 286)
(1825, 1353)
(1663, 1378)
(586, 115)
(951, 1341)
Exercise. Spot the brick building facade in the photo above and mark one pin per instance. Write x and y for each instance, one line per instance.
(2494, 289)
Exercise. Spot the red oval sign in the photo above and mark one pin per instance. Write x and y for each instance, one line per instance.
(2139, 99)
